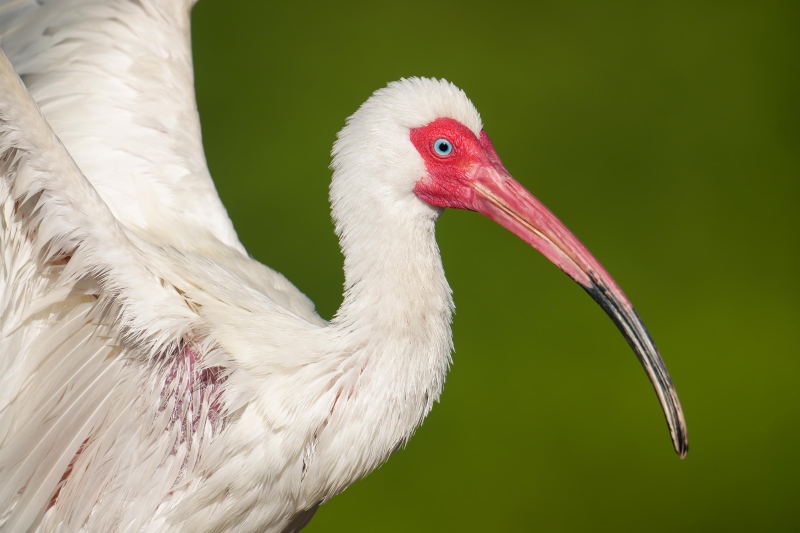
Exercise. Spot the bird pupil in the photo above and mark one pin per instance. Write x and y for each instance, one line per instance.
(442, 146)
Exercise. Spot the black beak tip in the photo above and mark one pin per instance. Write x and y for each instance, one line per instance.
(633, 329)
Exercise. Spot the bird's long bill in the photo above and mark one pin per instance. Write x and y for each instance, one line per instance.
(504, 200)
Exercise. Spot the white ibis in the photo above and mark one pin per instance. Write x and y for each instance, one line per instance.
(153, 377)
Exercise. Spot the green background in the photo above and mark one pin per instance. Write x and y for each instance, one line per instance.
(665, 135)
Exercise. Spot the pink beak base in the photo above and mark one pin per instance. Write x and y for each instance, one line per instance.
(504, 200)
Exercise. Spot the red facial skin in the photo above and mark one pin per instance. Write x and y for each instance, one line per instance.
(473, 177)
(449, 180)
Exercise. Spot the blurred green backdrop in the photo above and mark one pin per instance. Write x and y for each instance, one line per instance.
(665, 135)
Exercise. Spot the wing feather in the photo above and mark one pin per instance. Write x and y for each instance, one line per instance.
(130, 330)
(114, 80)
(77, 300)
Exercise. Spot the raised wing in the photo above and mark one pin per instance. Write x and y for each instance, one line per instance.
(117, 355)
(82, 316)
(131, 320)
(114, 80)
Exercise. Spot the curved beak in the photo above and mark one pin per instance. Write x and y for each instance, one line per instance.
(498, 196)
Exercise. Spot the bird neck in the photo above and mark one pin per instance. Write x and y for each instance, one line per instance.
(394, 279)
(397, 304)
(393, 331)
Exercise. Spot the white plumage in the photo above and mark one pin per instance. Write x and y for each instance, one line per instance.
(153, 377)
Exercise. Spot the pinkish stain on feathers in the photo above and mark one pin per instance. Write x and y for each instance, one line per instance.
(189, 387)
(193, 392)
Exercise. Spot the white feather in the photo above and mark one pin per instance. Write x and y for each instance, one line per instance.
(115, 81)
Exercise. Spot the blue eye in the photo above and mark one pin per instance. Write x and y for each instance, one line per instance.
(443, 147)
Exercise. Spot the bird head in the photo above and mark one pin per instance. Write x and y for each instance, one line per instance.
(418, 146)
